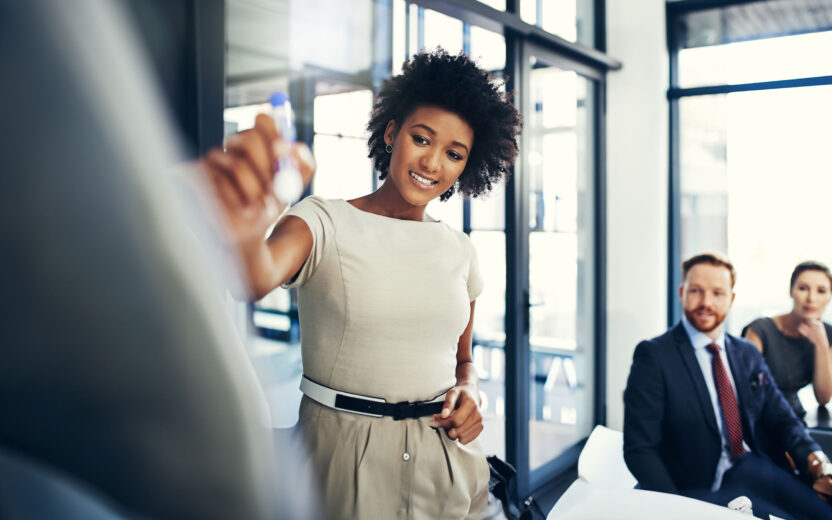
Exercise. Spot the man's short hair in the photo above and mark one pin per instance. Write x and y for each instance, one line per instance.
(708, 258)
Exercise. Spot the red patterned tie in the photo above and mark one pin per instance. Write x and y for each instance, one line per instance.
(728, 402)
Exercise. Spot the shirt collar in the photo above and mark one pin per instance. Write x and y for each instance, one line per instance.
(699, 339)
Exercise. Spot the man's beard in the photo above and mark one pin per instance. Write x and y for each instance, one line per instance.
(697, 324)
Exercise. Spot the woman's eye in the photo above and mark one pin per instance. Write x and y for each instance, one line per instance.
(418, 139)
(455, 156)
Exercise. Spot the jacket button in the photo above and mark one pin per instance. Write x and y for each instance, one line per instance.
(405, 456)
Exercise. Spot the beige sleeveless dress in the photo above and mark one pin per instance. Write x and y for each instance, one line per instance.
(382, 304)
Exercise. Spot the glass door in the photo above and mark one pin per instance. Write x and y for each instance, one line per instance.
(558, 161)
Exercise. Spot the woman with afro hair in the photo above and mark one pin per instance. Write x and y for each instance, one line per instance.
(390, 411)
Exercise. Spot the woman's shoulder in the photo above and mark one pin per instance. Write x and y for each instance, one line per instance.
(458, 236)
(762, 327)
(315, 204)
(315, 200)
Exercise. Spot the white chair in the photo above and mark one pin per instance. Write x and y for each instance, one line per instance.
(602, 460)
(605, 490)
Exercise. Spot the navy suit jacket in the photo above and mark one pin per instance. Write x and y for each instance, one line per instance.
(671, 438)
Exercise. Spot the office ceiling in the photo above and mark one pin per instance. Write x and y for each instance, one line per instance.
(755, 20)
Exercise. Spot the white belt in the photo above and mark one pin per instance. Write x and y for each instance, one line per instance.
(365, 405)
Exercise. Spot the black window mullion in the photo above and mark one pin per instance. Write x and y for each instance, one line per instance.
(517, 295)
(600, 252)
(674, 227)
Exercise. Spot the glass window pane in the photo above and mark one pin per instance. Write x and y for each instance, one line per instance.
(558, 17)
(344, 114)
(344, 170)
(449, 212)
(413, 30)
(489, 337)
(488, 48)
(488, 211)
(500, 5)
(788, 57)
(340, 145)
(755, 182)
(399, 35)
(558, 141)
(704, 174)
(442, 30)
(572, 20)
(489, 316)
(528, 11)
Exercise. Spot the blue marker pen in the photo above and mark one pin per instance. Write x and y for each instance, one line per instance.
(288, 183)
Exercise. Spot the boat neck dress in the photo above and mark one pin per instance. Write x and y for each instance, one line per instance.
(382, 305)
(791, 360)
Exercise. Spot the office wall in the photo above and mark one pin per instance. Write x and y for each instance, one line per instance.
(637, 186)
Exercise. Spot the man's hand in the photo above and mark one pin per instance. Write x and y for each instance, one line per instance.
(461, 416)
(821, 471)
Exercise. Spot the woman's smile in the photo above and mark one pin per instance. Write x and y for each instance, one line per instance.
(422, 181)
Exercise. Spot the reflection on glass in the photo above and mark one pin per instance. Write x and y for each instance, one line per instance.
(755, 183)
(560, 168)
(570, 19)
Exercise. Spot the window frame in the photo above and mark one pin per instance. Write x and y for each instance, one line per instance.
(674, 11)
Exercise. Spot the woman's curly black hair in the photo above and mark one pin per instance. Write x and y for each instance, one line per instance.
(455, 83)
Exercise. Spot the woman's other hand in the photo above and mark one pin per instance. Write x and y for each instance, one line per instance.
(814, 331)
(461, 417)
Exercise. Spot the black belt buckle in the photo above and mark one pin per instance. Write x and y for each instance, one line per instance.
(404, 410)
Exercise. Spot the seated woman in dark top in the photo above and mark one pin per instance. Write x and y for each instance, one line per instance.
(796, 345)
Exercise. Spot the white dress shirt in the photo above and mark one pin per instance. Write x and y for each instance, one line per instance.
(700, 340)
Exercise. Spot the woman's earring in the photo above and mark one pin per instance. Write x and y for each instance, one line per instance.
(388, 148)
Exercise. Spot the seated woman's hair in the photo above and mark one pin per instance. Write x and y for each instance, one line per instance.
(809, 265)
(457, 84)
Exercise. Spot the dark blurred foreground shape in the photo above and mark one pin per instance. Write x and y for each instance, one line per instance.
(124, 389)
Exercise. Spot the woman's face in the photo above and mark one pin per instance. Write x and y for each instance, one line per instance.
(811, 292)
(430, 150)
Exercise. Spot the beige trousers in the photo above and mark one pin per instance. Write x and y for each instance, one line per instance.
(377, 468)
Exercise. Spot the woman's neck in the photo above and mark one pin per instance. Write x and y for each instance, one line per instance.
(788, 323)
(388, 202)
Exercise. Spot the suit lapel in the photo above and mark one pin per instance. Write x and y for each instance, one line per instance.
(686, 351)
